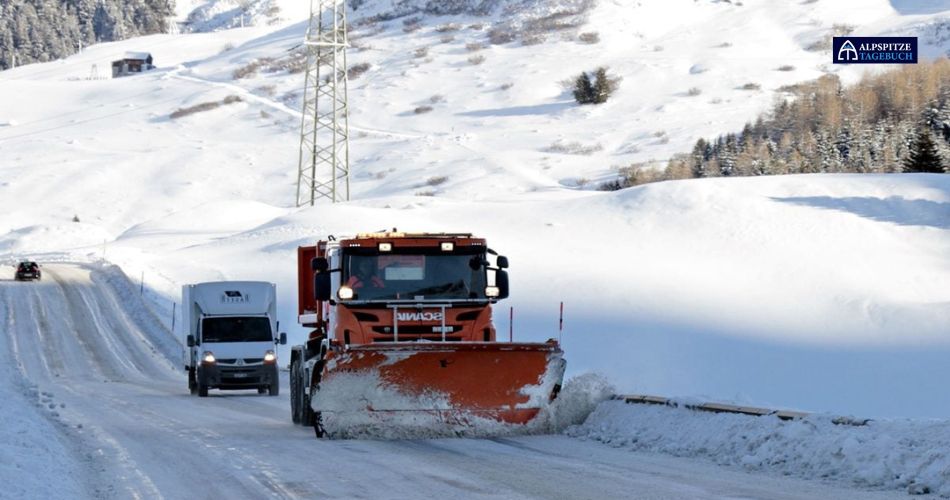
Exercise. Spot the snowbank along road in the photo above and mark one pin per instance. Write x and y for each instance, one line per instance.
(83, 357)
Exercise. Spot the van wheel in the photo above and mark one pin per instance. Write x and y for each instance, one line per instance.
(202, 391)
(192, 382)
(274, 389)
(261, 390)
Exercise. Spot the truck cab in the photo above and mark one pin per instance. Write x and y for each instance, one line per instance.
(398, 287)
(231, 336)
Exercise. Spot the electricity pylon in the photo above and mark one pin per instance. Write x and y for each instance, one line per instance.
(324, 167)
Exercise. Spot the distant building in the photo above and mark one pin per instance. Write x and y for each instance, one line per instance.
(132, 63)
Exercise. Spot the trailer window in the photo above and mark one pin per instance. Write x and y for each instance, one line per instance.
(239, 329)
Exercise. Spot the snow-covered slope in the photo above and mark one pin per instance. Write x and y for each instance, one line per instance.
(814, 292)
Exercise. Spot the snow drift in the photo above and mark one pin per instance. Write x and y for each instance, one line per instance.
(884, 454)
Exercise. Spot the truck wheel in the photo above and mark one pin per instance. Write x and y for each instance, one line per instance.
(307, 415)
(202, 391)
(294, 393)
(274, 389)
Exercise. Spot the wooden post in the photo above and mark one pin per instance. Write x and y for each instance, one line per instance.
(560, 323)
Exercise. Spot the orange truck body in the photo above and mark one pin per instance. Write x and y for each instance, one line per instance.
(419, 343)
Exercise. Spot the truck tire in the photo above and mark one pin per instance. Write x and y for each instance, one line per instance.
(202, 390)
(307, 415)
(295, 392)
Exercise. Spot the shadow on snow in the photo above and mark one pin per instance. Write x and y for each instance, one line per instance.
(895, 209)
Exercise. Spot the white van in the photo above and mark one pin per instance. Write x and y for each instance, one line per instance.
(231, 336)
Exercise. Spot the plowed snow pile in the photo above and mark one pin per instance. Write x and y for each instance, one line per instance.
(906, 454)
(350, 394)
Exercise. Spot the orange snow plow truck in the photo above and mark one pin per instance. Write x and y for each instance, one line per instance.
(402, 337)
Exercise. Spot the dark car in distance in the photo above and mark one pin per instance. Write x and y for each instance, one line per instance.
(27, 270)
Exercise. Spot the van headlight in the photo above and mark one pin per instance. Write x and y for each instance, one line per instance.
(208, 358)
(345, 293)
(270, 357)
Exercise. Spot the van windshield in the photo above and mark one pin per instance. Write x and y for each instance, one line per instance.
(236, 329)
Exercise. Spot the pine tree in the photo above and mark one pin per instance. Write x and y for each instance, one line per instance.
(808, 147)
(844, 141)
(727, 159)
(701, 154)
(943, 116)
(829, 160)
(604, 86)
(584, 92)
(85, 14)
(923, 155)
(7, 48)
(889, 163)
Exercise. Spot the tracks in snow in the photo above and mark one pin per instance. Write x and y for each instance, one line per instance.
(97, 367)
(118, 399)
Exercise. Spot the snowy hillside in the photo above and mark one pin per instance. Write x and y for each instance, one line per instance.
(754, 290)
(823, 293)
(698, 284)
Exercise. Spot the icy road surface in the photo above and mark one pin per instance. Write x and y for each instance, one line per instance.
(82, 354)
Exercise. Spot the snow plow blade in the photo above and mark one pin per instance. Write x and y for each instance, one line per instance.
(436, 388)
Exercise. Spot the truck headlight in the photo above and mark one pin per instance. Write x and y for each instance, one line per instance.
(270, 357)
(208, 357)
(345, 293)
(492, 291)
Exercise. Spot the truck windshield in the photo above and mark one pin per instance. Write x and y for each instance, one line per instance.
(415, 276)
(237, 329)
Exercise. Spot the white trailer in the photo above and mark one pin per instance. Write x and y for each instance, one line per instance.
(230, 330)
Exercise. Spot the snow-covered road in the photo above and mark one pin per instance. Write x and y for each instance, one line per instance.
(80, 351)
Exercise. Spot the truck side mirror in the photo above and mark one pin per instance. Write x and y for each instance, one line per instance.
(321, 286)
(320, 264)
(283, 339)
(502, 262)
(501, 281)
(190, 340)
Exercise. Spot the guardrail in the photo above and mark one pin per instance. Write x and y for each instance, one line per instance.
(727, 408)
